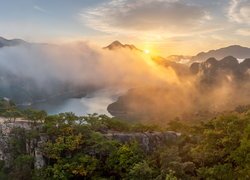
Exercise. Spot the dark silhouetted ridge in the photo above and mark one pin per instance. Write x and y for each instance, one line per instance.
(13, 42)
(118, 45)
(236, 51)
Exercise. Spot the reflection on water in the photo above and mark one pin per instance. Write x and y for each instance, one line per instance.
(93, 103)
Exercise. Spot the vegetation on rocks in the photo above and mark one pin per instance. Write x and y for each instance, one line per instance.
(76, 147)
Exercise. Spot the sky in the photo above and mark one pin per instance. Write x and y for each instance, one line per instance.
(164, 26)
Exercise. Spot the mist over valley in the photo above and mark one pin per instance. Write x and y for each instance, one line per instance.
(124, 90)
(47, 77)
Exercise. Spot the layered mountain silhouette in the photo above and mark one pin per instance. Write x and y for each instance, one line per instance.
(209, 71)
(13, 42)
(229, 68)
(236, 51)
(212, 77)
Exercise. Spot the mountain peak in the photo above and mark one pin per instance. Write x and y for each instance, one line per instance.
(117, 45)
(114, 45)
(235, 46)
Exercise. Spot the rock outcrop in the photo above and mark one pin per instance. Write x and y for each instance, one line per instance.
(228, 68)
(33, 148)
(148, 140)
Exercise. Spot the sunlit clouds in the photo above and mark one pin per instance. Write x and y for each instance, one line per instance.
(239, 11)
(126, 16)
(162, 22)
(184, 27)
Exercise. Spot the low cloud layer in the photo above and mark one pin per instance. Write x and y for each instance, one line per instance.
(80, 64)
(159, 92)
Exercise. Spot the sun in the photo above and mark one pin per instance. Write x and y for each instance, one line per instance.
(146, 51)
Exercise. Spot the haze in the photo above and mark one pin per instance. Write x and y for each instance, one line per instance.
(164, 26)
(62, 54)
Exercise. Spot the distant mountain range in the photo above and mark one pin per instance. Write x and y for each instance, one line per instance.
(207, 68)
(13, 42)
(236, 51)
(204, 63)
(213, 77)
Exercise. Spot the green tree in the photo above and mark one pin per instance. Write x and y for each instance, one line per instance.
(124, 159)
(22, 168)
(141, 171)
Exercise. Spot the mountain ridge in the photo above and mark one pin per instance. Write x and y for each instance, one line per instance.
(118, 45)
(237, 51)
(11, 42)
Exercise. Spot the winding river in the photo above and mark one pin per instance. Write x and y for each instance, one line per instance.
(92, 103)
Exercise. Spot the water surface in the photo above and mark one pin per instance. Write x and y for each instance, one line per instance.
(93, 103)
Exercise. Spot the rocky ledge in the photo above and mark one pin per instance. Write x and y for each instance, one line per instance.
(148, 140)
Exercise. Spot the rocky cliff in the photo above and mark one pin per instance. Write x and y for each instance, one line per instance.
(228, 68)
(148, 141)
(32, 148)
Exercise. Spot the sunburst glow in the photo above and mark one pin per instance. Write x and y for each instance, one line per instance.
(146, 51)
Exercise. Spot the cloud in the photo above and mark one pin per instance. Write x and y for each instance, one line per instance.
(243, 32)
(123, 16)
(239, 11)
(78, 64)
(161, 91)
(38, 8)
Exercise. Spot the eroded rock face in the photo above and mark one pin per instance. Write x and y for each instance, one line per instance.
(33, 148)
(194, 68)
(4, 155)
(148, 141)
(213, 72)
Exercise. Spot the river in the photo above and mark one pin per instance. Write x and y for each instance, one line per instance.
(92, 103)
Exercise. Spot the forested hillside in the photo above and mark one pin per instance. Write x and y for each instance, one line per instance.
(65, 146)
